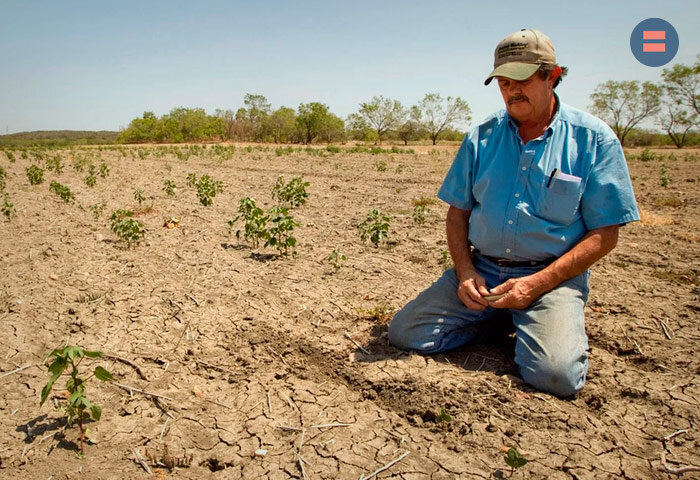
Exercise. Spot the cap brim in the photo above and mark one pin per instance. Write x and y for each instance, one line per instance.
(514, 70)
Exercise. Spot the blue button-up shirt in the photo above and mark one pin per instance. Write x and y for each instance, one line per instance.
(537, 200)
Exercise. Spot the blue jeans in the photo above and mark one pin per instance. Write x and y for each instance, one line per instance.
(551, 347)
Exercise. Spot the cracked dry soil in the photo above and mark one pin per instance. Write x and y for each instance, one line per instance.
(251, 353)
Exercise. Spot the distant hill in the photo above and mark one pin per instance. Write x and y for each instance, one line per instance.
(58, 138)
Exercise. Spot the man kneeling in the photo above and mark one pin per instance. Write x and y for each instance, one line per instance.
(537, 194)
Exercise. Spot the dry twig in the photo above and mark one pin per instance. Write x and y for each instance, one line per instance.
(133, 389)
(363, 349)
(679, 470)
(127, 362)
(388, 465)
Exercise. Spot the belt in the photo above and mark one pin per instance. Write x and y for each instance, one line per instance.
(504, 262)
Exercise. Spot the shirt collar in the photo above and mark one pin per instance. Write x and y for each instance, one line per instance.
(555, 118)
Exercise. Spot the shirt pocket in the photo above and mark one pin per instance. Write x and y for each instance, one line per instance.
(559, 203)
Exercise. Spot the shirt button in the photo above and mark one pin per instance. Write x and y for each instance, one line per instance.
(507, 250)
(524, 168)
(510, 222)
(517, 195)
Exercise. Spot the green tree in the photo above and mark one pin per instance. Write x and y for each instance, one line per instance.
(314, 120)
(626, 103)
(257, 111)
(410, 128)
(229, 120)
(281, 125)
(382, 114)
(140, 130)
(439, 113)
(682, 82)
(359, 129)
(677, 121)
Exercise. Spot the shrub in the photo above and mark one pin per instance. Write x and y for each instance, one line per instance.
(292, 194)
(91, 179)
(375, 227)
(104, 170)
(35, 174)
(55, 163)
(647, 155)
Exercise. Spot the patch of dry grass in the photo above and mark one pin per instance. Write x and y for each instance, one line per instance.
(651, 218)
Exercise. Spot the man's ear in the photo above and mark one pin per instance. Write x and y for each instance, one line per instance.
(556, 73)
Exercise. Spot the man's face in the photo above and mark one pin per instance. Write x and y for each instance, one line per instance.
(527, 100)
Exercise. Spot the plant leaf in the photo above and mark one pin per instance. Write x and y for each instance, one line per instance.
(92, 353)
(514, 459)
(57, 366)
(96, 411)
(47, 388)
(74, 397)
(102, 374)
(74, 352)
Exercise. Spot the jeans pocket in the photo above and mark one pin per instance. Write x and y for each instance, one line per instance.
(559, 202)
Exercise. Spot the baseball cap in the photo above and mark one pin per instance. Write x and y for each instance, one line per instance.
(520, 54)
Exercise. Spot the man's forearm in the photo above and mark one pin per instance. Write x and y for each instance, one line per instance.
(457, 224)
(594, 246)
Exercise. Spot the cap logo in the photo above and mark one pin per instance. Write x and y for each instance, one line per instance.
(512, 49)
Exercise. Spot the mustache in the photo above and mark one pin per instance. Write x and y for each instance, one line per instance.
(517, 99)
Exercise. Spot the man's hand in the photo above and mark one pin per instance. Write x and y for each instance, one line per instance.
(472, 288)
(519, 292)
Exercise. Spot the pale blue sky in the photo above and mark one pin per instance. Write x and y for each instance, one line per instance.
(90, 65)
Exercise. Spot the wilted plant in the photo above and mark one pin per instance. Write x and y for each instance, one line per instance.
(35, 174)
(292, 194)
(419, 212)
(665, 180)
(127, 228)
(62, 191)
(8, 208)
(78, 407)
(138, 196)
(91, 179)
(97, 209)
(280, 232)
(207, 188)
(375, 227)
(336, 258)
(55, 163)
(169, 188)
(191, 180)
(255, 222)
(380, 165)
(104, 170)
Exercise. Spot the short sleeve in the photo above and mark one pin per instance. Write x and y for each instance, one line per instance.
(456, 189)
(608, 198)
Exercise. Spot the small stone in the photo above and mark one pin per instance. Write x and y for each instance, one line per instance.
(98, 237)
(260, 452)
(53, 276)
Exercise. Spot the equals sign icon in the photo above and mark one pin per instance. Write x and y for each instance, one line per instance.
(654, 46)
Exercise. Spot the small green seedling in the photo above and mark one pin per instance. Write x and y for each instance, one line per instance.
(191, 180)
(78, 407)
(104, 170)
(514, 459)
(255, 222)
(443, 416)
(127, 228)
(55, 163)
(10, 156)
(419, 214)
(169, 188)
(8, 208)
(91, 179)
(665, 179)
(375, 227)
(139, 196)
(97, 209)
(35, 175)
(292, 194)
(62, 191)
(445, 260)
(207, 188)
(380, 165)
(280, 235)
(3, 176)
(336, 258)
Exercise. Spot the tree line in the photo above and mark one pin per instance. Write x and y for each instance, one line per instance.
(434, 117)
(673, 104)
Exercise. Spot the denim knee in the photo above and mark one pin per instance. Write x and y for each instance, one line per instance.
(556, 376)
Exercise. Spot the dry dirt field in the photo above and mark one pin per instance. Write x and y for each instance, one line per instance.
(248, 351)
